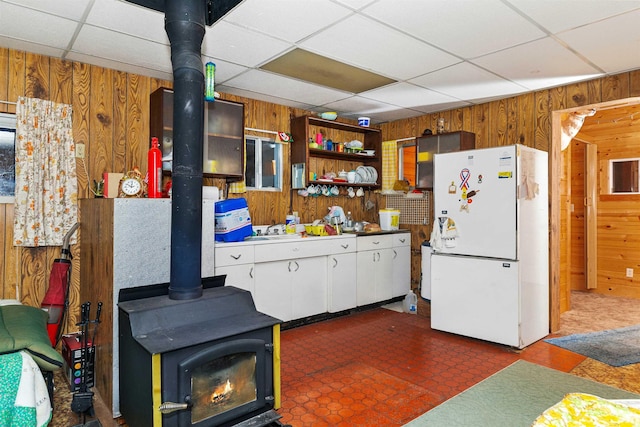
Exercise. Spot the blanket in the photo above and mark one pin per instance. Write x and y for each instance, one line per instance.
(24, 401)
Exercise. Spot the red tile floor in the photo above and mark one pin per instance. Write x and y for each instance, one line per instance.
(384, 368)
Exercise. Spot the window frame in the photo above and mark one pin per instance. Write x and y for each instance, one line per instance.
(8, 122)
(278, 156)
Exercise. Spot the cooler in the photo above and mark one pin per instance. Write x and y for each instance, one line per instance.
(232, 220)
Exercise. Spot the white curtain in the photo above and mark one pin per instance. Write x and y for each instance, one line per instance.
(46, 195)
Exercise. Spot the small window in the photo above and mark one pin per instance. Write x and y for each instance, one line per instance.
(263, 170)
(624, 176)
(407, 162)
(7, 157)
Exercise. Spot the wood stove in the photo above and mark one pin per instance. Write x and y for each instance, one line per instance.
(212, 361)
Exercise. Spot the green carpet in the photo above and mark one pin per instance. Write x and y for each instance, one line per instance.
(513, 397)
(615, 347)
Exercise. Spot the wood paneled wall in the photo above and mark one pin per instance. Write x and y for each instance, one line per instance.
(111, 117)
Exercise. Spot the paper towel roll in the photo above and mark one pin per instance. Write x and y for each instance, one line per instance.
(210, 193)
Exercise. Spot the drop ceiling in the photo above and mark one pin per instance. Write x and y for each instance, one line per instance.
(437, 54)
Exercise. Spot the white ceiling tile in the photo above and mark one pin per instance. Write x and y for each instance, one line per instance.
(231, 90)
(29, 25)
(372, 46)
(120, 66)
(442, 106)
(539, 64)
(241, 46)
(284, 87)
(70, 9)
(224, 70)
(129, 18)
(456, 25)
(355, 4)
(357, 103)
(139, 52)
(466, 81)
(31, 47)
(406, 95)
(558, 16)
(619, 51)
(294, 22)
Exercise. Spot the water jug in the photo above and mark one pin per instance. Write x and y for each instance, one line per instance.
(410, 303)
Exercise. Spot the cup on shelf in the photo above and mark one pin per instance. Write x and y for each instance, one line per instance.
(350, 192)
(351, 177)
(360, 192)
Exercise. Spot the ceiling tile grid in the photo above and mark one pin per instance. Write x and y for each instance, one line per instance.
(442, 53)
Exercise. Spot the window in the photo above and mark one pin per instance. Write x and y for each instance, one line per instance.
(407, 162)
(624, 176)
(263, 170)
(7, 157)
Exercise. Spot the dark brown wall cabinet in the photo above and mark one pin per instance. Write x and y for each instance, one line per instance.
(427, 146)
(223, 144)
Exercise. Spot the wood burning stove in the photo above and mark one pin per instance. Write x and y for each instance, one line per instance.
(212, 361)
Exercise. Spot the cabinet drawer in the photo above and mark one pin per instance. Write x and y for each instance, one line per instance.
(292, 250)
(401, 239)
(234, 255)
(342, 246)
(379, 241)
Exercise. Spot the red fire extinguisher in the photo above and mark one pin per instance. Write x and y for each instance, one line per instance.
(154, 170)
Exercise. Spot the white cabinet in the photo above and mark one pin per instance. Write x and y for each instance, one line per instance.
(342, 278)
(237, 263)
(291, 289)
(374, 271)
(401, 271)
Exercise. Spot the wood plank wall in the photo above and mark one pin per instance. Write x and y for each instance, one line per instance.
(111, 117)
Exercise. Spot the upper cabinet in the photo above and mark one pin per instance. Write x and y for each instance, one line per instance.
(223, 140)
(427, 146)
(319, 162)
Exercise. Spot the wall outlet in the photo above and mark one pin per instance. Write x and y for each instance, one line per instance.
(80, 151)
(629, 272)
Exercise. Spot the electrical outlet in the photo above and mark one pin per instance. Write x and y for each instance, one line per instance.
(80, 151)
(629, 272)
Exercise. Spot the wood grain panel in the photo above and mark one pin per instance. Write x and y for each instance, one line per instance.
(4, 82)
(498, 123)
(615, 87)
(120, 128)
(100, 148)
(81, 121)
(61, 81)
(17, 76)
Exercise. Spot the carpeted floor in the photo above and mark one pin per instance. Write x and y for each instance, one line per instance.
(592, 312)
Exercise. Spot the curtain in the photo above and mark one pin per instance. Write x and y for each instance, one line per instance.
(389, 164)
(46, 196)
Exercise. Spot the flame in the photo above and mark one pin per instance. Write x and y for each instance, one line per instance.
(221, 393)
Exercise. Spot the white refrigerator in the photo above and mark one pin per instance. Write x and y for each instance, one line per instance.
(489, 268)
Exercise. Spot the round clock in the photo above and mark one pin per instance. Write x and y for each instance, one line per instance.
(132, 184)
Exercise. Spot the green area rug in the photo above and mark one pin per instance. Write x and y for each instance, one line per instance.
(615, 347)
(513, 397)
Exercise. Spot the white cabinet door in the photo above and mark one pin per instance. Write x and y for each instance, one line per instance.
(240, 276)
(308, 286)
(272, 294)
(374, 276)
(401, 264)
(342, 282)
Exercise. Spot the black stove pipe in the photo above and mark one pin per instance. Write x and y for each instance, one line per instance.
(185, 26)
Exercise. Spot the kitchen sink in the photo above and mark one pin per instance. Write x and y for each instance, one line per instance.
(272, 237)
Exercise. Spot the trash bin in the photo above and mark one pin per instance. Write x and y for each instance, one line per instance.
(425, 275)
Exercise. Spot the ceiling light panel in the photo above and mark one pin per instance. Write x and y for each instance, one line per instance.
(291, 21)
(370, 45)
(523, 65)
(241, 46)
(303, 65)
(457, 27)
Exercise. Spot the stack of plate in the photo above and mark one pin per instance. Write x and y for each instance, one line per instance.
(366, 175)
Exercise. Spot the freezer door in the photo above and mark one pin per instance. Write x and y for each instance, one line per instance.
(476, 297)
(475, 202)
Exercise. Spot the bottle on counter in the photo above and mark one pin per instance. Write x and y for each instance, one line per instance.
(348, 222)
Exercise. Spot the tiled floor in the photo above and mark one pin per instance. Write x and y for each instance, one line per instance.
(384, 368)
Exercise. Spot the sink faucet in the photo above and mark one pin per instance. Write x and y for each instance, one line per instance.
(275, 230)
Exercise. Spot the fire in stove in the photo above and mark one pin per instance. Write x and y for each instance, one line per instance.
(221, 393)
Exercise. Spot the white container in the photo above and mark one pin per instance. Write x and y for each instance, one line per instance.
(410, 303)
(389, 219)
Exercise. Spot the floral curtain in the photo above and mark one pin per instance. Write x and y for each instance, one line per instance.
(46, 195)
(389, 164)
